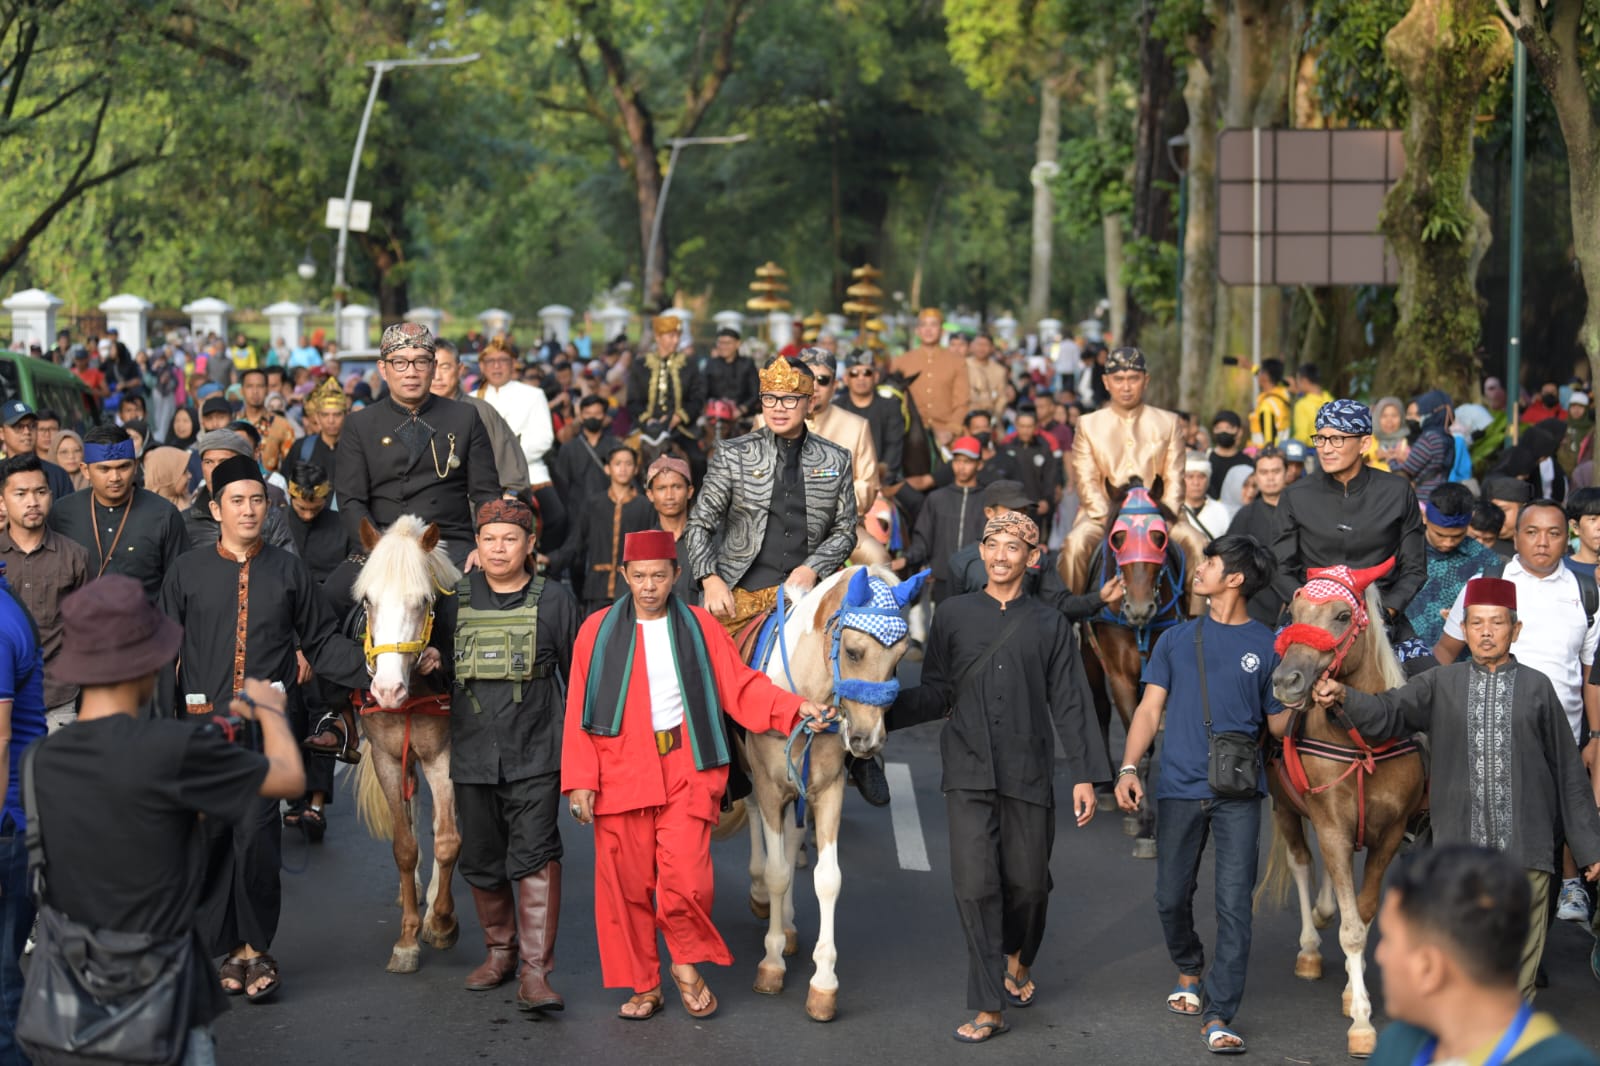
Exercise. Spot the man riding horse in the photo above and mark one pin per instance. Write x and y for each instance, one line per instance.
(665, 391)
(1121, 441)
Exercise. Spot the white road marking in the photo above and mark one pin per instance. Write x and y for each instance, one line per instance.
(908, 843)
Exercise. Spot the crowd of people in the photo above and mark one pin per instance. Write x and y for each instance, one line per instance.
(620, 513)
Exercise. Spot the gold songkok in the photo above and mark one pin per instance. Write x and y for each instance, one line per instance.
(931, 312)
(328, 396)
(783, 377)
(664, 324)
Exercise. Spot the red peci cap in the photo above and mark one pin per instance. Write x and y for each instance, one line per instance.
(967, 446)
(649, 545)
(1491, 592)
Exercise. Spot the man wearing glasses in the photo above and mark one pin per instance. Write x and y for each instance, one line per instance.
(778, 506)
(414, 452)
(1348, 513)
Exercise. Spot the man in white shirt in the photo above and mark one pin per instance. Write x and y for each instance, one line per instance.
(1559, 637)
(527, 412)
(1204, 513)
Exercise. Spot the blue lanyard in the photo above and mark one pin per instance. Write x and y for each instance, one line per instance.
(1501, 1050)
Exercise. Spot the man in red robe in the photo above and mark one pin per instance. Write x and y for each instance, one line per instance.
(645, 760)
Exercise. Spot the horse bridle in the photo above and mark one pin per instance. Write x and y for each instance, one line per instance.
(1173, 575)
(402, 647)
(1319, 639)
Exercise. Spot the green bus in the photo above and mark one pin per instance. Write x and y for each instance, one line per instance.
(43, 386)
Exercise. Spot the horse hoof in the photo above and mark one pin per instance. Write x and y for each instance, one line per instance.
(1106, 802)
(1361, 1045)
(1144, 848)
(822, 1006)
(769, 980)
(405, 960)
(443, 939)
(760, 908)
(791, 943)
(1308, 967)
(1130, 825)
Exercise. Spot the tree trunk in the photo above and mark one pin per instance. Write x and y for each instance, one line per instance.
(1152, 172)
(1044, 173)
(1553, 55)
(1260, 45)
(1111, 225)
(1445, 52)
(1200, 238)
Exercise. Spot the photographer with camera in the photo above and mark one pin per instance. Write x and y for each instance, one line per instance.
(123, 849)
(245, 607)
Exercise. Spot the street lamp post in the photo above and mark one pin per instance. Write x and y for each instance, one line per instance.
(1519, 110)
(678, 144)
(379, 67)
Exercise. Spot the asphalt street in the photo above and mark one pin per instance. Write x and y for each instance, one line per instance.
(1102, 975)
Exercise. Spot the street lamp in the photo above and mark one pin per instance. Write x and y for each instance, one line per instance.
(307, 268)
(378, 67)
(678, 144)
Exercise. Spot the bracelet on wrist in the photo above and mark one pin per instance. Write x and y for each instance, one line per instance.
(1126, 770)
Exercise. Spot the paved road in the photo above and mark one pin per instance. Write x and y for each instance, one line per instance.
(1102, 974)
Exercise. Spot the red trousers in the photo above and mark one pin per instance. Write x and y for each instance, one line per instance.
(652, 870)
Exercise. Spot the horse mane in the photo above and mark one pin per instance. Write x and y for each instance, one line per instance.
(1389, 667)
(807, 610)
(398, 561)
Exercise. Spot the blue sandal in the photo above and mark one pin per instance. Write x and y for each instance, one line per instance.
(1189, 994)
(1214, 1030)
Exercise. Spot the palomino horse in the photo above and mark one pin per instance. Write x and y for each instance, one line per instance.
(1156, 580)
(839, 645)
(1355, 794)
(406, 572)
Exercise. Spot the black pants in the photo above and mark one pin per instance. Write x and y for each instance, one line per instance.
(508, 831)
(1000, 868)
(304, 714)
(243, 895)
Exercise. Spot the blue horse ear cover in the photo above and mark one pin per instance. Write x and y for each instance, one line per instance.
(911, 587)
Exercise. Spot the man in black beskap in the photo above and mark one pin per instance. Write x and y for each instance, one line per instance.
(998, 754)
(1227, 451)
(731, 376)
(414, 452)
(579, 469)
(1032, 461)
(1352, 515)
(883, 414)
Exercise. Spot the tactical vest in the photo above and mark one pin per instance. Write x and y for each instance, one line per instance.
(497, 645)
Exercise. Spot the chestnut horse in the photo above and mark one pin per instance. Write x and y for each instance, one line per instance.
(1155, 576)
(1355, 794)
(405, 573)
(839, 645)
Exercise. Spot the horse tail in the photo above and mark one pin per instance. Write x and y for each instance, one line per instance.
(372, 806)
(1275, 883)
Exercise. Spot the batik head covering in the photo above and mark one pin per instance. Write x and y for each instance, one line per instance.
(1016, 524)
(407, 335)
(1119, 359)
(1345, 416)
(511, 512)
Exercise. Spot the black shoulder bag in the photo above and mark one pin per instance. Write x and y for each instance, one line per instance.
(1230, 757)
(94, 995)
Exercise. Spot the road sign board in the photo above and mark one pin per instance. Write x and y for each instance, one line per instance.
(360, 214)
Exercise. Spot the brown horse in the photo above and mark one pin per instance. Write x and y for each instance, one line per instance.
(1353, 793)
(1156, 582)
(405, 573)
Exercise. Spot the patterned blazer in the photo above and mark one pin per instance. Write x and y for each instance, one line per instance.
(729, 518)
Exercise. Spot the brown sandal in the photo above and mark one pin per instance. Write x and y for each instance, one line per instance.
(232, 970)
(640, 998)
(695, 990)
(255, 969)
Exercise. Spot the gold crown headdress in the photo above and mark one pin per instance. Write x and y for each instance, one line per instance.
(781, 376)
(328, 396)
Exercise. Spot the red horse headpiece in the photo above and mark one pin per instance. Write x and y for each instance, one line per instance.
(1326, 583)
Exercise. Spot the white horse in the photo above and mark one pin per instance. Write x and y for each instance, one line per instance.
(406, 572)
(842, 642)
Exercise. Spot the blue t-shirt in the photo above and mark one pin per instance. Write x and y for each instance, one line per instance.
(1577, 567)
(21, 682)
(1239, 665)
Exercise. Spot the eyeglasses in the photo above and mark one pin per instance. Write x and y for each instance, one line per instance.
(402, 365)
(824, 379)
(788, 403)
(859, 372)
(1331, 440)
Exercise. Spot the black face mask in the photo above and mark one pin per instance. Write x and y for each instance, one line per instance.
(983, 439)
(1225, 440)
(594, 425)
(1548, 400)
(1413, 426)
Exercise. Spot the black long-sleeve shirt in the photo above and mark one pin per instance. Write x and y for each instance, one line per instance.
(734, 380)
(950, 518)
(888, 431)
(967, 574)
(1375, 516)
(141, 538)
(998, 735)
(494, 738)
